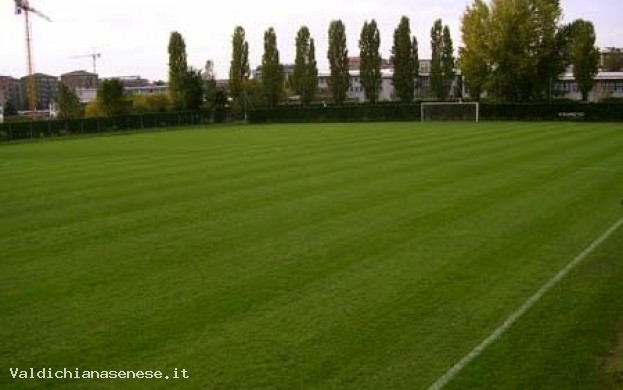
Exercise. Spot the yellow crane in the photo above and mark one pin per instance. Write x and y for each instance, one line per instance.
(22, 7)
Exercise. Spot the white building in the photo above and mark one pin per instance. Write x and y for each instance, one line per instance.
(607, 85)
(356, 91)
(86, 95)
(146, 90)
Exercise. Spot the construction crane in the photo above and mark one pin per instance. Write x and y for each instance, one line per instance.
(22, 7)
(94, 57)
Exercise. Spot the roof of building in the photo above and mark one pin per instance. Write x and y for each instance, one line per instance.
(41, 75)
(385, 73)
(568, 76)
(79, 73)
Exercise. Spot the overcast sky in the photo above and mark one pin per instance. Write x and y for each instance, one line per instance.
(133, 35)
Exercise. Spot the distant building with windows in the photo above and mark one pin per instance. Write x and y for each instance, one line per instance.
(354, 63)
(10, 92)
(86, 95)
(146, 90)
(132, 81)
(46, 90)
(132, 85)
(288, 71)
(611, 55)
(356, 92)
(607, 85)
(79, 79)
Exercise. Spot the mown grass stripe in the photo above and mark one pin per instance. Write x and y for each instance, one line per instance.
(241, 175)
(523, 309)
(289, 183)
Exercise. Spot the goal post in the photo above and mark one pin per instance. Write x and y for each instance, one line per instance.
(450, 111)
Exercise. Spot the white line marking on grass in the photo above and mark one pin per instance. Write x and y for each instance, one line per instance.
(467, 359)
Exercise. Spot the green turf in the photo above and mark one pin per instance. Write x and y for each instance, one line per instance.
(351, 256)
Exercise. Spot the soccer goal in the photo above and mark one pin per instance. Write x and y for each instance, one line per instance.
(446, 111)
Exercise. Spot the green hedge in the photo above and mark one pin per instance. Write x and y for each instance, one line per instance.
(571, 111)
(330, 113)
(63, 127)
(574, 111)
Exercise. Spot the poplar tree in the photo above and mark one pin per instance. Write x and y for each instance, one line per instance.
(178, 69)
(370, 71)
(339, 82)
(447, 64)
(403, 59)
(305, 74)
(272, 70)
(239, 68)
(415, 58)
(584, 56)
(312, 73)
(436, 70)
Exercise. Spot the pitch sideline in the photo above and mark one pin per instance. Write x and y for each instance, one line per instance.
(527, 305)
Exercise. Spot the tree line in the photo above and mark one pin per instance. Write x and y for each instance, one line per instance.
(304, 80)
(513, 51)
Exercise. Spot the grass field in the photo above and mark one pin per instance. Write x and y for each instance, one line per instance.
(351, 256)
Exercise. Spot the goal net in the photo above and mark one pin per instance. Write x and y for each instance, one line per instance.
(444, 111)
